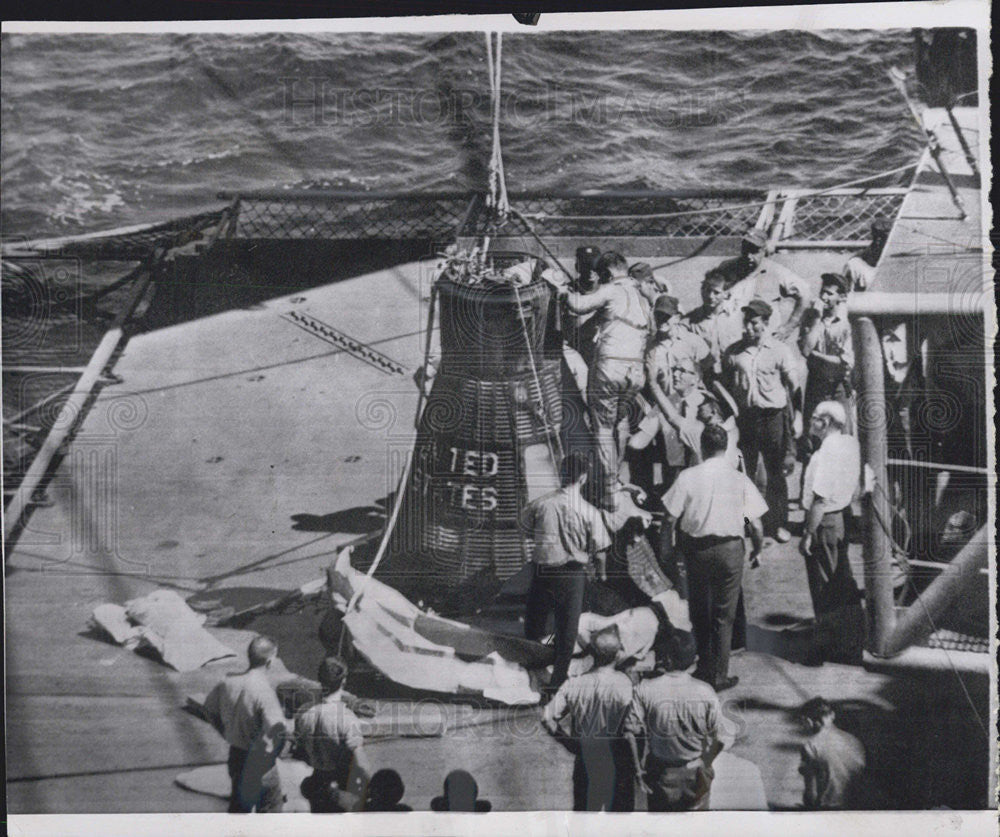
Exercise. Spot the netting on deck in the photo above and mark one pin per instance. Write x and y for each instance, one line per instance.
(347, 216)
(653, 214)
(124, 244)
(841, 217)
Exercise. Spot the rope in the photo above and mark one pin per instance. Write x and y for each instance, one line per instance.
(543, 413)
(427, 355)
(397, 505)
(497, 199)
(732, 208)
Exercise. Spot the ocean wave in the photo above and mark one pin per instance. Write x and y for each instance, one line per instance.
(125, 127)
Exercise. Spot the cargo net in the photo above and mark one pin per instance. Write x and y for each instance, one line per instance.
(337, 217)
(717, 215)
(125, 244)
(841, 217)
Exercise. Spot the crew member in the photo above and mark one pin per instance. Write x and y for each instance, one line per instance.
(596, 704)
(826, 343)
(719, 319)
(737, 269)
(832, 763)
(860, 269)
(712, 504)
(566, 531)
(244, 708)
(671, 340)
(580, 330)
(680, 718)
(685, 398)
(328, 736)
(831, 479)
(649, 284)
(616, 373)
(759, 372)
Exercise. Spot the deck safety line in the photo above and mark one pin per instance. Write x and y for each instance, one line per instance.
(344, 341)
(720, 209)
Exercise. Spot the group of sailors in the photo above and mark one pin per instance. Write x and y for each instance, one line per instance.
(657, 380)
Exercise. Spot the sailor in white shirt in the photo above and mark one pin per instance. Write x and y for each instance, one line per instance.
(711, 505)
(831, 480)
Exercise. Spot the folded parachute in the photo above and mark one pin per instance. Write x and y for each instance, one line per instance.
(425, 651)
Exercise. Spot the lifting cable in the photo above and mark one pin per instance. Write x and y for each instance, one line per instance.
(496, 200)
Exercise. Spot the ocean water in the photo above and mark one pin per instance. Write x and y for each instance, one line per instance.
(105, 130)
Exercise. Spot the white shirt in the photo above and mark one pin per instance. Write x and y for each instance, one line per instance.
(833, 472)
(713, 499)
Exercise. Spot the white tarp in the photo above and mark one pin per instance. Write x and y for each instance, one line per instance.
(382, 626)
(163, 622)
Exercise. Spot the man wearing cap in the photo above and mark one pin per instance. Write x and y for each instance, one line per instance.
(711, 505)
(827, 345)
(739, 268)
(831, 480)
(670, 340)
(596, 704)
(244, 708)
(719, 319)
(860, 269)
(759, 371)
(328, 736)
(616, 372)
(680, 719)
(566, 531)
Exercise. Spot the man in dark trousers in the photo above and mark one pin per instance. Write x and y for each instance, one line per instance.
(831, 480)
(759, 371)
(711, 505)
(567, 531)
(679, 719)
(244, 708)
(596, 704)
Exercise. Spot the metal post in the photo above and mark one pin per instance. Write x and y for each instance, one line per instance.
(959, 576)
(73, 406)
(872, 421)
(969, 158)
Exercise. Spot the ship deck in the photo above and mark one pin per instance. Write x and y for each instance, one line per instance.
(241, 449)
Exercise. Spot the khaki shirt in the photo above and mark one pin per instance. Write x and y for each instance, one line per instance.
(831, 335)
(245, 708)
(679, 715)
(564, 528)
(757, 374)
(596, 703)
(663, 355)
(328, 733)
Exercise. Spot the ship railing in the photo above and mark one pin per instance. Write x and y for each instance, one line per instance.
(892, 630)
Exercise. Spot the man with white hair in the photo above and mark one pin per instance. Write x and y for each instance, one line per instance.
(831, 480)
